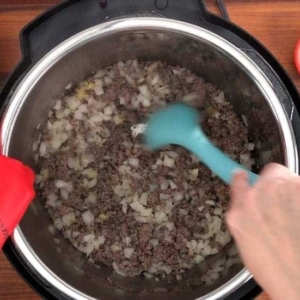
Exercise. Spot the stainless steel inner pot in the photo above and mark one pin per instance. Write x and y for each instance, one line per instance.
(195, 48)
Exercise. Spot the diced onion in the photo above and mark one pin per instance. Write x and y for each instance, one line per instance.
(90, 173)
(133, 162)
(57, 105)
(164, 185)
(43, 149)
(218, 211)
(91, 198)
(51, 200)
(170, 226)
(220, 98)
(190, 97)
(164, 196)
(137, 206)
(69, 219)
(108, 111)
(97, 118)
(148, 275)
(168, 162)
(116, 248)
(144, 91)
(88, 218)
(250, 146)
(64, 194)
(154, 242)
(178, 196)
(200, 208)
(61, 184)
(72, 102)
(160, 217)
(245, 121)
(128, 252)
(183, 212)
(173, 186)
(143, 199)
(58, 224)
(127, 240)
(117, 269)
(198, 259)
(210, 202)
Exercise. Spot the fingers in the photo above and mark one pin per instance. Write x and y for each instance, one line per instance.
(273, 170)
(239, 187)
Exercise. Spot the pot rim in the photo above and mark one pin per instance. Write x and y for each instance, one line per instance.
(142, 23)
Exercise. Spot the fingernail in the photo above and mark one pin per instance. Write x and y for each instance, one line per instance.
(238, 171)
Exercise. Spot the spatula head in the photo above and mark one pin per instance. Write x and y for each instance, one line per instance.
(171, 125)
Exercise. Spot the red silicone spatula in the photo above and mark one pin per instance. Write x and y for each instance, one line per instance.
(17, 191)
(297, 56)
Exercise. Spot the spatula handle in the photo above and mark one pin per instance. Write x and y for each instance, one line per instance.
(219, 163)
(17, 192)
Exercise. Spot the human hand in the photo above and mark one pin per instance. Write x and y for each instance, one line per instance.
(265, 222)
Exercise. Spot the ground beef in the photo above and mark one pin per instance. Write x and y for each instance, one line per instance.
(91, 185)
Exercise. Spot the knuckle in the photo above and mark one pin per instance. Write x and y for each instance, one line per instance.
(274, 170)
(269, 168)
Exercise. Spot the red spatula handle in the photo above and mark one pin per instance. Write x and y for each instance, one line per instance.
(297, 56)
(16, 193)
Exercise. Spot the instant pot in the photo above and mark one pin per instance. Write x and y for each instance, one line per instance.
(63, 46)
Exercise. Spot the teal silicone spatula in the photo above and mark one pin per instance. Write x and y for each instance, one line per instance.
(179, 124)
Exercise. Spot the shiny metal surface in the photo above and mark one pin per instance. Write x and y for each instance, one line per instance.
(192, 47)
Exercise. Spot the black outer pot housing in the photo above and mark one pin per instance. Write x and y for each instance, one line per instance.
(63, 21)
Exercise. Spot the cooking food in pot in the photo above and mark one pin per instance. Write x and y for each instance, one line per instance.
(178, 124)
(140, 212)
